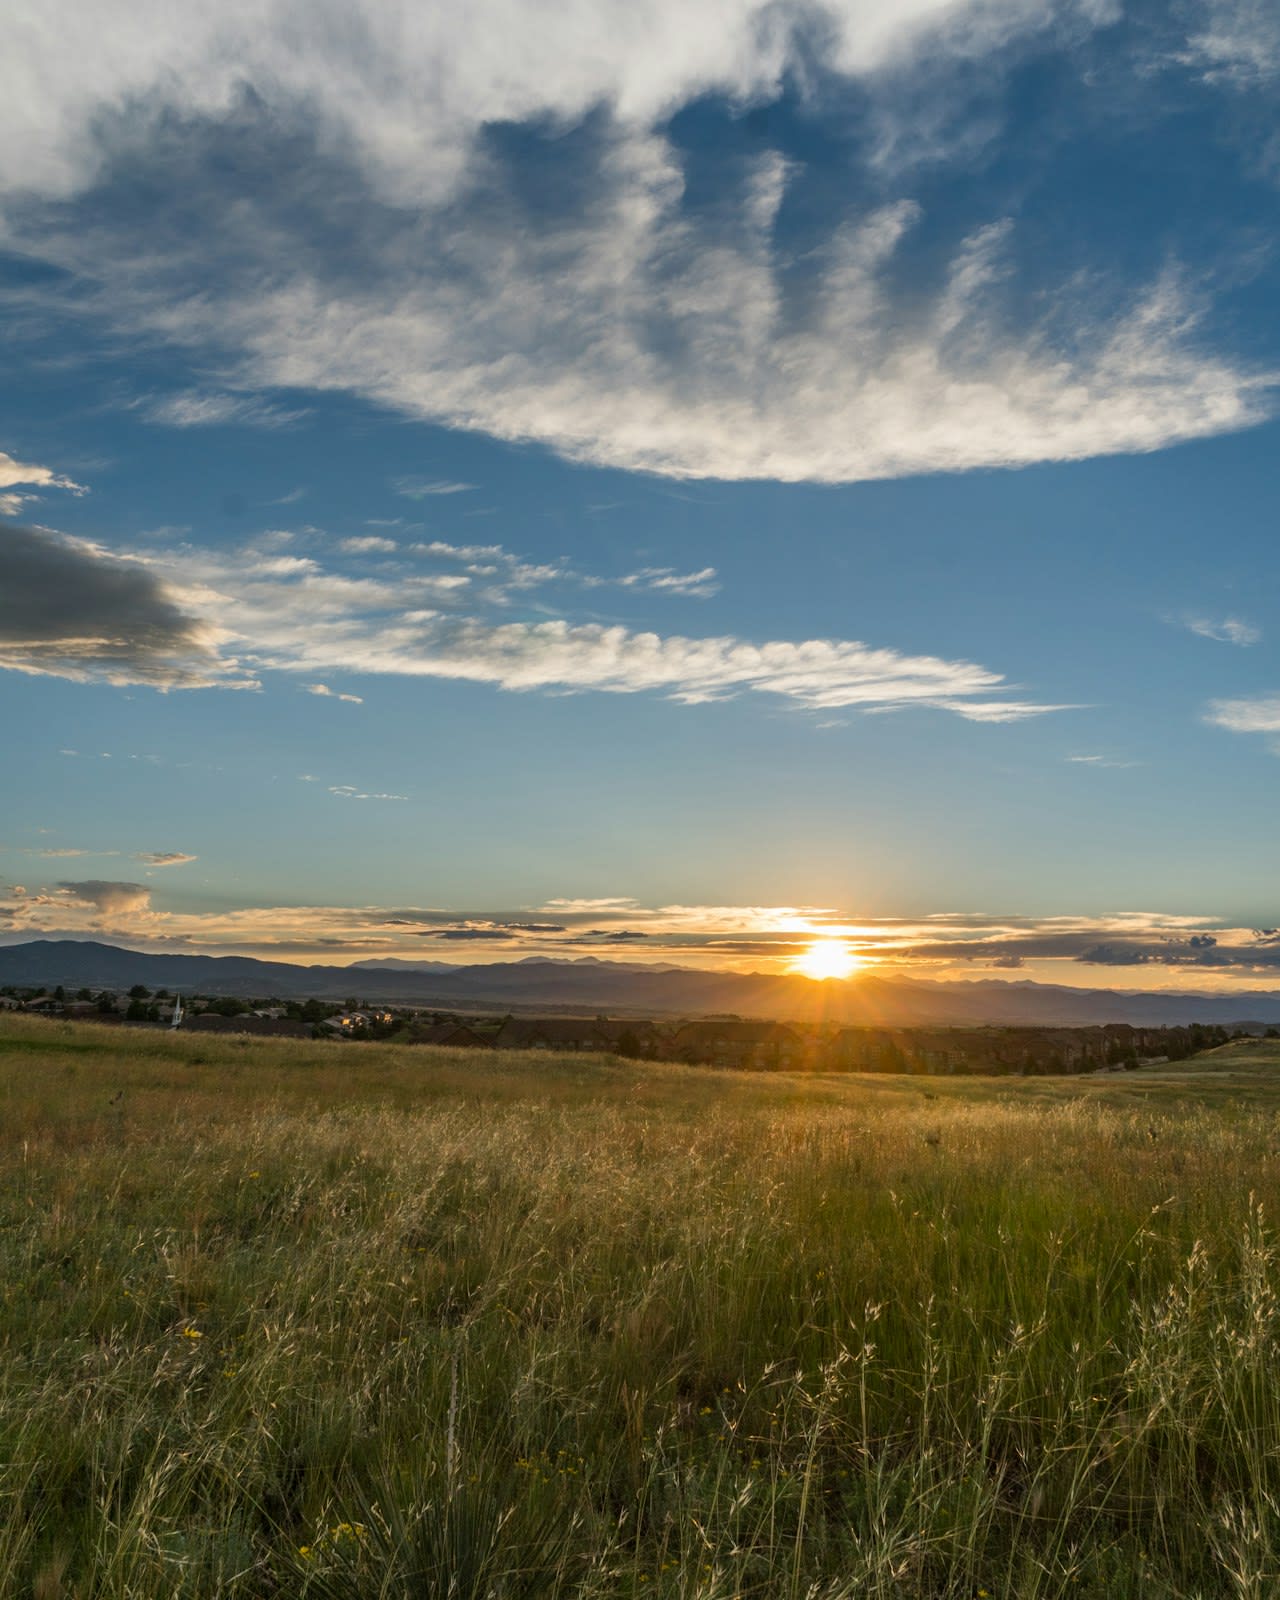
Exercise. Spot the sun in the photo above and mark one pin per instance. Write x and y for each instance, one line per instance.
(828, 958)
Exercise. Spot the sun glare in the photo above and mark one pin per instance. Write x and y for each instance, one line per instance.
(828, 958)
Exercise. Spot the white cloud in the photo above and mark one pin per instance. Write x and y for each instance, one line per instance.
(195, 410)
(367, 544)
(665, 580)
(561, 656)
(1226, 630)
(632, 335)
(19, 478)
(165, 858)
(347, 791)
(408, 87)
(1100, 761)
(1239, 43)
(425, 488)
(327, 693)
(192, 618)
(1249, 714)
(635, 342)
(13, 473)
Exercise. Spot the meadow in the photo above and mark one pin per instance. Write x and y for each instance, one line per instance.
(321, 1320)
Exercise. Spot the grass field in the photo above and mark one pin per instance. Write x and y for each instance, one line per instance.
(307, 1319)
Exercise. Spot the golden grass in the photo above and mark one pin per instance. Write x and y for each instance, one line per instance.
(283, 1318)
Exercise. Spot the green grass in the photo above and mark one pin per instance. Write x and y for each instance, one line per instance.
(286, 1319)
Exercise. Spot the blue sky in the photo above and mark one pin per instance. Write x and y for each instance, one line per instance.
(605, 479)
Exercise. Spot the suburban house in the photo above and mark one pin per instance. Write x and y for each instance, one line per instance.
(636, 1039)
(45, 1005)
(728, 1042)
(347, 1022)
(453, 1035)
(572, 1033)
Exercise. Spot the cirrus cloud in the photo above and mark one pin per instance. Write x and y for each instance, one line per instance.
(631, 329)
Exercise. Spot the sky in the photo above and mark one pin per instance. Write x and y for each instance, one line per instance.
(646, 482)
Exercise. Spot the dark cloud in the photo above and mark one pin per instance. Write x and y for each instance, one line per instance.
(623, 936)
(466, 933)
(69, 610)
(1198, 951)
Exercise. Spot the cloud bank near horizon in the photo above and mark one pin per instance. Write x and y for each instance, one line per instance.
(1072, 950)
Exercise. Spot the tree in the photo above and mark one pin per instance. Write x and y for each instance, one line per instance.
(139, 992)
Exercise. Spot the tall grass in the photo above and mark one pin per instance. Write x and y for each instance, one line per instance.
(320, 1320)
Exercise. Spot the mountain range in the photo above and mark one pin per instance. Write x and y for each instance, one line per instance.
(591, 986)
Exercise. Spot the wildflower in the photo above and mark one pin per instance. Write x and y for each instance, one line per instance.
(229, 1372)
(304, 1550)
(192, 1333)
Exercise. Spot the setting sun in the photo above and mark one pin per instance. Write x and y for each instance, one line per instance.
(828, 958)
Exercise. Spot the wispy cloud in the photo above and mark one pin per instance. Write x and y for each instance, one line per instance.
(1249, 714)
(194, 409)
(641, 332)
(665, 580)
(427, 488)
(53, 855)
(165, 858)
(325, 692)
(858, 382)
(1100, 761)
(1239, 42)
(19, 480)
(194, 618)
(367, 544)
(347, 791)
(508, 571)
(1226, 630)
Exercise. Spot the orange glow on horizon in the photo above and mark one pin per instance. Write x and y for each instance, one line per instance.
(828, 958)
